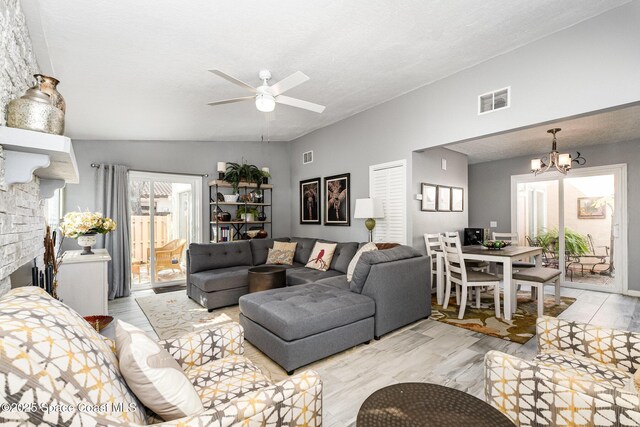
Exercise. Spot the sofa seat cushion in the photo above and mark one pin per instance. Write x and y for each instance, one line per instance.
(299, 276)
(220, 279)
(288, 267)
(339, 282)
(301, 311)
(223, 380)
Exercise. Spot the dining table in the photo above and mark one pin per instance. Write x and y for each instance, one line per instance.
(505, 256)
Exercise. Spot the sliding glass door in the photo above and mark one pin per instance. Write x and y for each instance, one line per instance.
(580, 221)
(165, 218)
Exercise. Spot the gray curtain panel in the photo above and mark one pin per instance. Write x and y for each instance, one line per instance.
(113, 201)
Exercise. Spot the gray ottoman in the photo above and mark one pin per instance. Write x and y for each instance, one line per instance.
(298, 325)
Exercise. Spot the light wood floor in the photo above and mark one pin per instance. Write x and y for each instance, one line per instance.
(426, 351)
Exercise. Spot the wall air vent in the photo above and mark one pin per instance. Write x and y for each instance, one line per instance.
(496, 100)
(307, 157)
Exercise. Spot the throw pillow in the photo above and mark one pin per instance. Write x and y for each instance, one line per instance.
(321, 256)
(352, 265)
(280, 257)
(285, 246)
(153, 375)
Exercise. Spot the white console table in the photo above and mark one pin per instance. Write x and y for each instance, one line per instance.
(82, 282)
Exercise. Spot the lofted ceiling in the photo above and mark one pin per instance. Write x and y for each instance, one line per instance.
(137, 70)
(606, 127)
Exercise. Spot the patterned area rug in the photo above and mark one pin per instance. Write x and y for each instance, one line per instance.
(520, 329)
(174, 314)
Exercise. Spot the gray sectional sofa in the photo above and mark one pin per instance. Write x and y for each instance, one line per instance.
(319, 313)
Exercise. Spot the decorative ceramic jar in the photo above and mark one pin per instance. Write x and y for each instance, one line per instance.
(34, 111)
(87, 241)
(48, 85)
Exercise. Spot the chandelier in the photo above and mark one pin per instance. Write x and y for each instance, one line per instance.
(562, 162)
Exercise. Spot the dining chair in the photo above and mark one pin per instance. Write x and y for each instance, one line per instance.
(472, 264)
(432, 242)
(513, 238)
(457, 273)
(537, 278)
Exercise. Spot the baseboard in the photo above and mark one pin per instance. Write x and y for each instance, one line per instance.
(632, 293)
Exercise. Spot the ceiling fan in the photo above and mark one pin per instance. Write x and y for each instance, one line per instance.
(266, 96)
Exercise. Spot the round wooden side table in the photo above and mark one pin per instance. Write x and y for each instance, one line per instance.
(424, 404)
(266, 277)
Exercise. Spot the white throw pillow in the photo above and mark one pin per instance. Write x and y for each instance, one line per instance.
(352, 265)
(321, 256)
(153, 375)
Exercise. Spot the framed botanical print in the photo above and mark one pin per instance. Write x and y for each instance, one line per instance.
(444, 198)
(457, 199)
(310, 201)
(591, 208)
(428, 197)
(337, 200)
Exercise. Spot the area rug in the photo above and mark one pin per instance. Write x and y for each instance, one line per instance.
(521, 328)
(174, 314)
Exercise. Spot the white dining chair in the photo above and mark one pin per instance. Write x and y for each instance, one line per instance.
(458, 274)
(513, 238)
(432, 242)
(537, 278)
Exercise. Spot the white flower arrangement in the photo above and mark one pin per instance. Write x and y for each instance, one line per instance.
(77, 224)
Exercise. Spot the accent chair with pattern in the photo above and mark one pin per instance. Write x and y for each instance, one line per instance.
(582, 376)
(56, 370)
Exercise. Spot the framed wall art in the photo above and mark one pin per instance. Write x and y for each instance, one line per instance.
(444, 198)
(589, 208)
(457, 199)
(310, 201)
(337, 200)
(429, 194)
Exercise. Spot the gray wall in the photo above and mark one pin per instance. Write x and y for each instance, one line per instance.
(490, 192)
(184, 157)
(427, 168)
(590, 66)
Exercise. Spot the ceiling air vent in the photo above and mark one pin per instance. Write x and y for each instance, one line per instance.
(496, 100)
(307, 157)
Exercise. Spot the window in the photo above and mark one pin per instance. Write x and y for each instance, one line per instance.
(53, 209)
(388, 182)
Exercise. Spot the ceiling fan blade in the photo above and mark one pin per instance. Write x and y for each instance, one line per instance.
(290, 82)
(294, 102)
(234, 80)
(232, 100)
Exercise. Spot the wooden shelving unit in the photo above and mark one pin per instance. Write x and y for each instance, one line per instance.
(237, 228)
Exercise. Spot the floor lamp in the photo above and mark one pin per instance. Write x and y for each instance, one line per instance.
(369, 209)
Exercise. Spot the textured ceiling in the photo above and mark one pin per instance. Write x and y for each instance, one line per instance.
(138, 69)
(607, 127)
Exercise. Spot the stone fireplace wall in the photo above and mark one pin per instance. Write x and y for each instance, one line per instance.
(21, 209)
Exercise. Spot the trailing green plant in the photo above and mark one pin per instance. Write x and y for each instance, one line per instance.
(247, 210)
(238, 172)
(574, 243)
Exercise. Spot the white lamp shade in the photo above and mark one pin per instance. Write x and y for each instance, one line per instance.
(536, 164)
(564, 160)
(265, 103)
(369, 208)
(222, 166)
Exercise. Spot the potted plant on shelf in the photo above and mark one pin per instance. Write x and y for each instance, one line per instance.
(247, 213)
(242, 172)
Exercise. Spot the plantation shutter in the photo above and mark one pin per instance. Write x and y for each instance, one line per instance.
(387, 182)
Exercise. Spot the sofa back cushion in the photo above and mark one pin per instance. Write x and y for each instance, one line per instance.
(343, 255)
(76, 359)
(303, 249)
(260, 248)
(367, 259)
(209, 256)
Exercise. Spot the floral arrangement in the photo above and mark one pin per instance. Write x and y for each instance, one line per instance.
(77, 224)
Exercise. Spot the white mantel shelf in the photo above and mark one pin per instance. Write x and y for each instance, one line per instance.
(50, 157)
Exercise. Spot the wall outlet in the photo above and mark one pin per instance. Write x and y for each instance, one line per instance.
(443, 164)
(493, 224)
(418, 196)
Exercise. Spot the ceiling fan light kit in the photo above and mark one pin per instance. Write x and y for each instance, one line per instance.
(562, 162)
(266, 96)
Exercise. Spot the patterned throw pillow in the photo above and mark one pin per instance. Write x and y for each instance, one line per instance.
(321, 256)
(153, 375)
(280, 257)
(352, 265)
